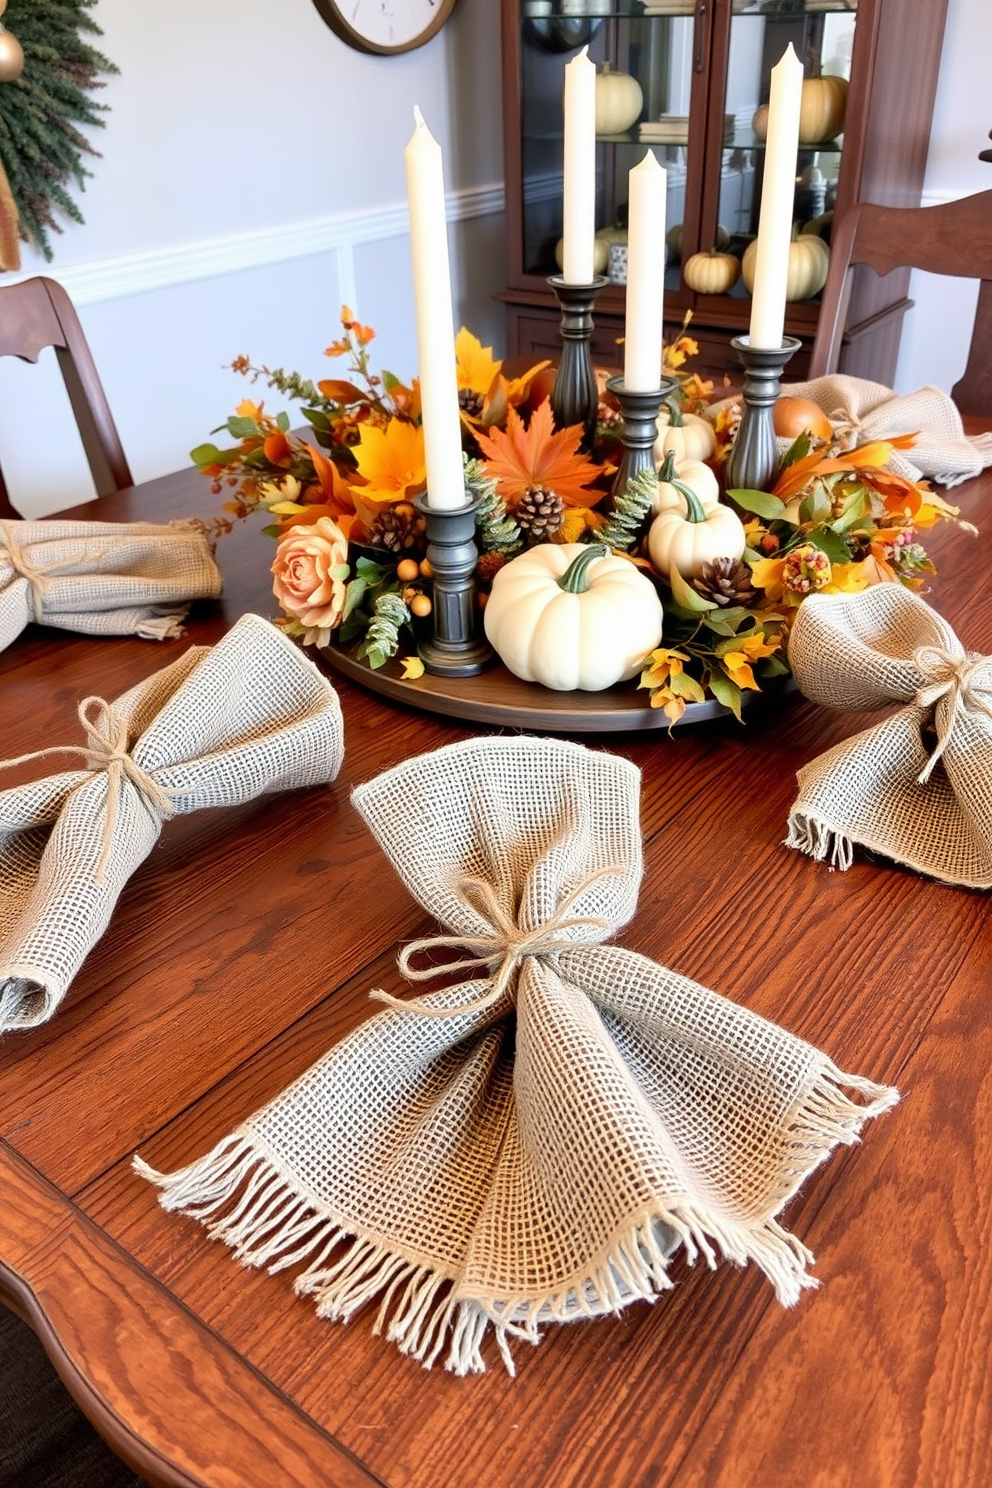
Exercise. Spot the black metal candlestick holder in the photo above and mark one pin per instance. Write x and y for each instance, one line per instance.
(575, 398)
(457, 647)
(640, 428)
(753, 461)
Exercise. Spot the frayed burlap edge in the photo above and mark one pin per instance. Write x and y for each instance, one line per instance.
(271, 1221)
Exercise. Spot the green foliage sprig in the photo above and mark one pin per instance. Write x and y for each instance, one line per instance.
(41, 147)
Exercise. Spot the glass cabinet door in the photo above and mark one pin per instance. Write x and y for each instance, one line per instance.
(650, 96)
(822, 35)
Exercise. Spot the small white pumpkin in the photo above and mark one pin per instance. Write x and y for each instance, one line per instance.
(712, 273)
(809, 258)
(619, 100)
(688, 436)
(686, 542)
(676, 476)
(572, 615)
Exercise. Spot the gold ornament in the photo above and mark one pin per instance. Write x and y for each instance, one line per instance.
(11, 52)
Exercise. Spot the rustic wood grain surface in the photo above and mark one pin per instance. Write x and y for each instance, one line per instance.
(247, 944)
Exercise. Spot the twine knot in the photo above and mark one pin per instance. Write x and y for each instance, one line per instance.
(37, 574)
(964, 679)
(504, 949)
(106, 749)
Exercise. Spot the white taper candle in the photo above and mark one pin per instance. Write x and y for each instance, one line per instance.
(435, 325)
(771, 265)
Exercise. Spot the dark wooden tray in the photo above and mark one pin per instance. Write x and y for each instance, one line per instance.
(497, 698)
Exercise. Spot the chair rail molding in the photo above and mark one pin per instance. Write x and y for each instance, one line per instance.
(340, 233)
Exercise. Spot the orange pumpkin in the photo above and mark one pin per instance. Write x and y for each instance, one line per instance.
(794, 416)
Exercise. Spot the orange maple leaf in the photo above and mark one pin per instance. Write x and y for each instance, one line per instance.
(535, 455)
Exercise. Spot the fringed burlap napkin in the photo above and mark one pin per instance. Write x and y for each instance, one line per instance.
(530, 1144)
(861, 411)
(221, 725)
(916, 788)
(102, 578)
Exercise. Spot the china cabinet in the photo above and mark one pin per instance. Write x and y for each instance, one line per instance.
(702, 69)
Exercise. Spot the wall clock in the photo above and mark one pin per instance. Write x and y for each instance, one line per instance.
(385, 26)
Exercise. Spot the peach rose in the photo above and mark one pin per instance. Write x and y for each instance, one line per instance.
(310, 575)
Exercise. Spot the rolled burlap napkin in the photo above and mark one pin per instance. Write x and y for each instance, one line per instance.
(917, 787)
(103, 578)
(862, 411)
(532, 1143)
(221, 725)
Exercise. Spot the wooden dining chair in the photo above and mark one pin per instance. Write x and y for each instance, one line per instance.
(954, 238)
(37, 313)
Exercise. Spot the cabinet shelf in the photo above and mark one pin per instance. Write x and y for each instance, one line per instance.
(709, 64)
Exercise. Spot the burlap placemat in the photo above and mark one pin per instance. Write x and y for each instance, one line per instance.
(221, 725)
(102, 578)
(916, 788)
(528, 1145)
(861, 411)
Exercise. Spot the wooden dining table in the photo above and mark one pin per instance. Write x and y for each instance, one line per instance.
(246, 946)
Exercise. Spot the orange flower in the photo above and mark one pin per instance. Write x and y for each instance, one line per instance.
(391, 461)
(278, 450)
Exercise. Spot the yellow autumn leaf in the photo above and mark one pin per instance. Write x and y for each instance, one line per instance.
(392, 460)
(738, 669)
(413, 668)
(475, 365)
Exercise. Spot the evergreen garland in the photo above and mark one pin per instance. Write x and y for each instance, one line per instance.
(496, 529)
(629, 511)
(41, 148)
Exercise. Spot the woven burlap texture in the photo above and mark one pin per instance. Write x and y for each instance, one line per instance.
(102, 578)
(531, 1144)
(861, 411)
(221, 725)
(917, 787)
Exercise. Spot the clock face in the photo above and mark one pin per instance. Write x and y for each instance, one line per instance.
(385, 26)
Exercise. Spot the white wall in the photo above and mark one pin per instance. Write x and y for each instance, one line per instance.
(251, 180)
(937, 332)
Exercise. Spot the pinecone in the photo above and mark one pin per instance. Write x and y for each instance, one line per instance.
(726, 581)
(398, 529)
(540, 512)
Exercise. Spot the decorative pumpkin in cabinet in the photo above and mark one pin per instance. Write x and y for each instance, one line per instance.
(711, 273)
(600, 254)
(822, 108)
(808, 260)
(619, 101)
(572, 615)
(759, 122)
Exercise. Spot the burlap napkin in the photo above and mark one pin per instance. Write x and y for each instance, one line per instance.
(530, 1144)
(917, 787)
(861, 411)
(103, 578)
(221, 725)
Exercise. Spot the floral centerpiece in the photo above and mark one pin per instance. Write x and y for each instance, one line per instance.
(731, 567)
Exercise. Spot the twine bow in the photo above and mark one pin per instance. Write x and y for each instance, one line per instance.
(965, 679)
(37, 574)
(106, 749)
(507, 946)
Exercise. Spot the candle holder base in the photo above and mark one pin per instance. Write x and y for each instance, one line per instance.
(753, 461)
(457, 647)
(575, 398)
(640, 428)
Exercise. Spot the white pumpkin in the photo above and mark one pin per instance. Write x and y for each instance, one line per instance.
(619, 101)
(675, 477)
(572, 615)
(688, 436)
(807, 272)
(686, 542)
